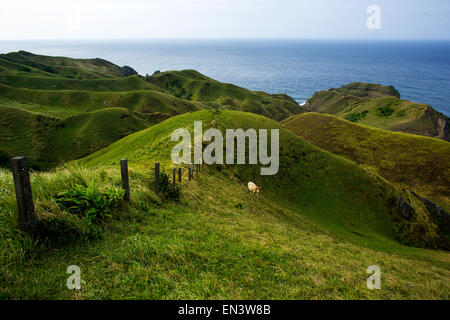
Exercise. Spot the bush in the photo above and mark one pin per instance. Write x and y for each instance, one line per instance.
(384, 112)
(64, 229)
(5, 159)
(49, 69)
(128, 71)
(167, 189)
(89, 202)
(355, 117)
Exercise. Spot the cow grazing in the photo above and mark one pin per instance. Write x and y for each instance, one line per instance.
(253, 188)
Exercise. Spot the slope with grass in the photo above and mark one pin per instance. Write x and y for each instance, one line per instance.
(381, 107)
(47, 141)
(123, 84)
(55, 91)
(23, 62)
(304, 169)
(77, 101)
(192, 85)
(412, 161)
(312, 233)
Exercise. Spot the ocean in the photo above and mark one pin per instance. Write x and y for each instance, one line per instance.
(420, 70)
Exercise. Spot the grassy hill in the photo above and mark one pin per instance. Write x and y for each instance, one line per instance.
(47, 141)
(316, 227)
(57, 97)
(123, 84)
(70, 102)
(192, 85)
(381, 107)
(414, 162)
(303, 168)
(23, 62)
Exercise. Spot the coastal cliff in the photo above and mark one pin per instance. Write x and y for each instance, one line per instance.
(381, 107)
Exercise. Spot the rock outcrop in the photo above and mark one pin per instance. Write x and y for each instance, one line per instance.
(381, 107)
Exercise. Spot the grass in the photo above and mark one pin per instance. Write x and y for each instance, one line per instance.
(190, 84)
(311, 234)
(82, 101)
(380, 107)
(23, 62)
(385, 111)
(412, 161)
(325, 181)
(58, 109)
(131, 83)
(355, 117)
(48, 141)
(206, 248)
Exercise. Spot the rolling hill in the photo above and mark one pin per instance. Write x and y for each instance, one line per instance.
(412, 161)
(54, 95)
(23, 62)
(192, 85)
(341, 201)
(381, 107)
(47, 141)
(316, 227)
(308, 178)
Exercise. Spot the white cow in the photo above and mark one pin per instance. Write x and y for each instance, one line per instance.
(253, 188)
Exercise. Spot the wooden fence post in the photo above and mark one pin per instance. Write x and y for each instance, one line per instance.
(179, 174)
(157, 176)
(174, 173)
(24, 196)
(196, 168)
(190, 173)
(125, 179)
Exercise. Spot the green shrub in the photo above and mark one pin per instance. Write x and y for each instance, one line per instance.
(5, 159)
(401, 113)
(64, 229)
(355, 117)
(384, 112)
(167, 189)
(49, 69)
(94, 205)
(128, 71)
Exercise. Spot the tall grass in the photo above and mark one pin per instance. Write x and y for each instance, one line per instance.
(56, 226)
(312, 232)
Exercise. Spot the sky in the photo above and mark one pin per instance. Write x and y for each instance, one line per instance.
(192, 19)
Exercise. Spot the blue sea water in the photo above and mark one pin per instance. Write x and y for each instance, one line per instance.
(420, 70)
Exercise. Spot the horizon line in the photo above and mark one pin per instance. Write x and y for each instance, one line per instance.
(231, 38)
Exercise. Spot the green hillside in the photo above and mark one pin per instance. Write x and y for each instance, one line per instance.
(303, 168)
(69, 102)
(47, 141)
(316, 227)
(381, 107)
(191, 85)
(23, 62)
(414, 162)
(124, 84)
(49, 93)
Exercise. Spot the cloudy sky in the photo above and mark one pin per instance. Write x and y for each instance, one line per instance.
(137, 19)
